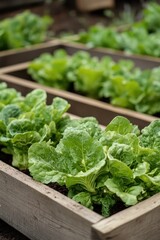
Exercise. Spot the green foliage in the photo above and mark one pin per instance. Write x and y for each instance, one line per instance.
(120, 83)
(28, 120)
(99, 167)
(23, 30)
(139, 38)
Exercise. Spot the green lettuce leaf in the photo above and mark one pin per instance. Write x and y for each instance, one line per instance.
(150, 135)
(129, 197)
(78, 156)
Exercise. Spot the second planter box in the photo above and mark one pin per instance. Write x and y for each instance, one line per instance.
(15, 70)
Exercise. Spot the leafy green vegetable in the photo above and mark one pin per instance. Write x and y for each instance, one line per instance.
(23, 30)
(129, 196)
(75, 158)
(28, 120)
(120, 83)
(84, 198)
(140, 38)
(103, 168)
(150, 135)
(117, 166)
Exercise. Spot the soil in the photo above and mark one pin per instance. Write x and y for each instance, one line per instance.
(9, 233)
(76, 21)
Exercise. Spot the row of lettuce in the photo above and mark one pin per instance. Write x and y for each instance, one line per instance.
(141, 37)
(22, 30)
(119, 83)
(100, 167)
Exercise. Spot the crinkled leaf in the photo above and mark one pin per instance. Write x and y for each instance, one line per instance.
(121, 171)
(150, 136)
(141, 169)
(106, 202)
(89, 124)
(84, 198)
(122, 126)
(9, 111)
(123, 152)
(129, 197)
(43, 161)
(19, 126)
(78, 156)
(35, 97)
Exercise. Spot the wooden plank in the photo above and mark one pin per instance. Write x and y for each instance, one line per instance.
(91, 5)
(11, 57)
(15, 56)
(80, 105)
(40, 212)
(12, 68)
(141, 221)
(9, 52)
(141, 61)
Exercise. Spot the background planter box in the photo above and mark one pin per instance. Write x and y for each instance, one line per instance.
(15, 56)
(91, 5)
(40, 212)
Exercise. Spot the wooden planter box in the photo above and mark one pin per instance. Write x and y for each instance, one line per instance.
(42, 213)
(16, 68)
(80, 105)
(15, 56)
(12, 57)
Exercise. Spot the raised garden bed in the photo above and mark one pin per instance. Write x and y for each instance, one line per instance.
(40, 212)
(141, 37)
(12, 57)
(80, 105)
(18, 72)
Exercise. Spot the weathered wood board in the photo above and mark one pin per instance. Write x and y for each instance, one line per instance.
(40, 212)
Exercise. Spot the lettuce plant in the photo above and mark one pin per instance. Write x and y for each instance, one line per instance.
(23, 30)
(114, 165)
(105, 167)
(141, 37)
(26, 120)
(120, 83)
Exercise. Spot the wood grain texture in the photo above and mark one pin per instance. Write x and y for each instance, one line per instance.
(140, 222)
(39, 212)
